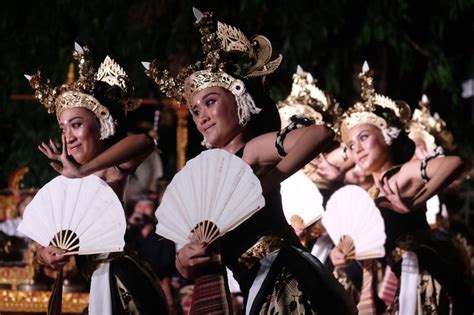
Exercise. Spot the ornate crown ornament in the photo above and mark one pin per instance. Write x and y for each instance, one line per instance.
(375, 109)
(430, 128)
(307, 100)
(81, 93)
(229, 58)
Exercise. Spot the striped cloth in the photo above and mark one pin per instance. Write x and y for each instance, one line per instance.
(389, 286)
(366, 305)
(211, 296)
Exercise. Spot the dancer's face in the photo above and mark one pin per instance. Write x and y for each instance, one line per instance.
(367, 147)
(81, 129)
(214, 111)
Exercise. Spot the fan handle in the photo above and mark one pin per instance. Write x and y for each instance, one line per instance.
(347, 247)
(205, 231)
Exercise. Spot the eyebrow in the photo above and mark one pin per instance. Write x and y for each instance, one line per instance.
(204, 97)
(363, 130)
(356, 136)
(70, 120)
(209, 94)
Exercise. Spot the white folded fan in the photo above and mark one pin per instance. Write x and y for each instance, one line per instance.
(355, 224)
(302, 202)
(81, 216)
(210, 196)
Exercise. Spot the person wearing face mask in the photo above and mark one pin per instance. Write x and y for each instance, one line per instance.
(90, 112)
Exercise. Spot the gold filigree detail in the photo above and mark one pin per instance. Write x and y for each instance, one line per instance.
(110, 72)
(219, 47)
(71, 99)
(81, 92)
(200, 80)
(307, 100)
(232, 39)
(264, 246)
(364, 112)
(37, 301)
(430, 128)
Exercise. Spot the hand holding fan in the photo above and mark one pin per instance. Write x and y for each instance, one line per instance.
(211, 195)
(81, 216)
(355, 224)
(302, 202)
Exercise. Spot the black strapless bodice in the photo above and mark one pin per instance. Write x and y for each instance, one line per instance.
(398, 225)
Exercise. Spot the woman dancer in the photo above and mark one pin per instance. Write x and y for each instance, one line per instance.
(373, 131)
(89, 112)
(233, 112)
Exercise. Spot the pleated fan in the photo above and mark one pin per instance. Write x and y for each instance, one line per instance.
(355, 224)
(81, 216)
(302, 202)
(211, 195)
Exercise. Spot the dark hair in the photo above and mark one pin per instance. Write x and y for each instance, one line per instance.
(268, 119)
(402, 148)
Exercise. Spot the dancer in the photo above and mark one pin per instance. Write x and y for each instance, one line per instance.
(90, 113)
(435, 274)
(232, 111)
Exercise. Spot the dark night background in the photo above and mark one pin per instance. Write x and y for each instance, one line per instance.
(414, 47)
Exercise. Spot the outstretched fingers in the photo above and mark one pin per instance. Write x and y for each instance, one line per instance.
(48, 151)
(53, 147)
(392, 197)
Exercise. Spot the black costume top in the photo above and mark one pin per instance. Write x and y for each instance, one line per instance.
(321, 288)
(435, 250)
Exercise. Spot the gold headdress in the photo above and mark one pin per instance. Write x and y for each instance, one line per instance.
(81, 93)
(430, 128)
(221, 47)
(375, 109)
(307, 100)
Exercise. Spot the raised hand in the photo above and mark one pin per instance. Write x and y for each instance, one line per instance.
(338, 259)
(190, 258)
(327, 170)
(391, 197)
(52, 257)
(50, 150)
(61, 161)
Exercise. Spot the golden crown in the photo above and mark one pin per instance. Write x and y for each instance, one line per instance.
(220, 46)
(392, 113)
(308, 100)
(81, 92)
(430, 128)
